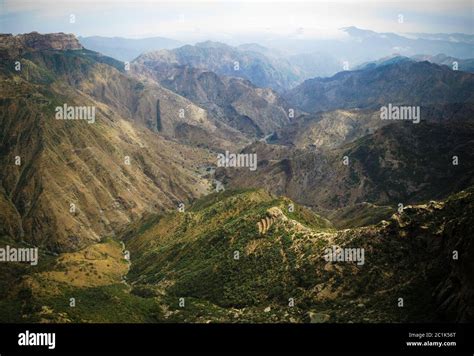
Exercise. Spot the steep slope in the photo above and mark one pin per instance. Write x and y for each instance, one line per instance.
(331, 129)
(402, 82)
(399, 163)
(107, 80)
(214, 262)
(11, 46)
(328, 130)
(68, 183)
(148, 104)
(233, 101)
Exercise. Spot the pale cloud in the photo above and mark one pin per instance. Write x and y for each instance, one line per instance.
(222, 18)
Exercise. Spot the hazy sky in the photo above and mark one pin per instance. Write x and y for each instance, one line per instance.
(196, 20)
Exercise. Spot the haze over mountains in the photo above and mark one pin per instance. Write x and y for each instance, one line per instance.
(226, 60)
(465, 65)
(126, 49)
(233, 100)
(144, 173)
(281, 63)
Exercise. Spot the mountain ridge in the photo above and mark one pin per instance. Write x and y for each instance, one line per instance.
(379, 86)
(64, 162)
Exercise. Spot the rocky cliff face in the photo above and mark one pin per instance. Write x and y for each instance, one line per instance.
(15, 45)
(232, 101)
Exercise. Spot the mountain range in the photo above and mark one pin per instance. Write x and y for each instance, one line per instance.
(136, 219)
(226, 60)
(399, 81)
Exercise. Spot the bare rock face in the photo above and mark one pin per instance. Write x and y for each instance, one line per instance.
(34, 41)
(236, 102)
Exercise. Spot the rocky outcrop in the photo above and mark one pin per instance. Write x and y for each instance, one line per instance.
(15, 45)
(264, 225)
(273, 215)
(444, 229)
